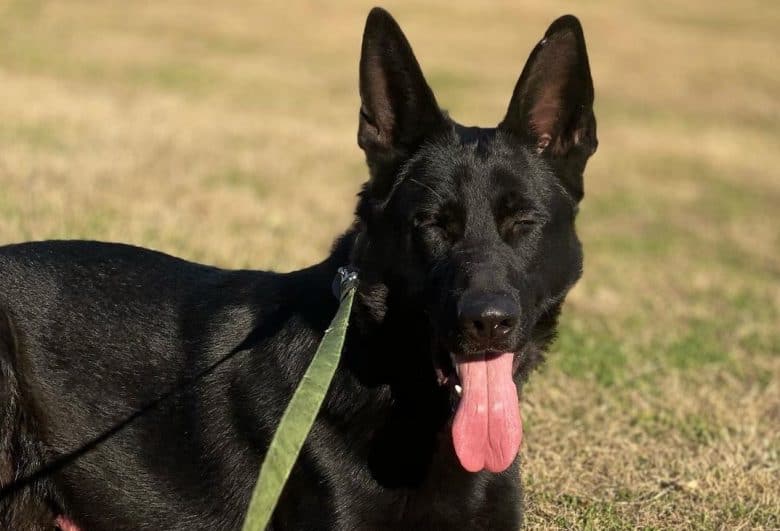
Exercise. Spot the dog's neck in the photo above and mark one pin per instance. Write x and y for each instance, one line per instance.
(388, 328)
(387, 373)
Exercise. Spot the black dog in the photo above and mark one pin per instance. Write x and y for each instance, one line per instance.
(140, 391)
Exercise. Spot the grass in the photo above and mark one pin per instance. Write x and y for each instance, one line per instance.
(189, 128)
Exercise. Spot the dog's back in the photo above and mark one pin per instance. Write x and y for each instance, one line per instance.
(139, 354)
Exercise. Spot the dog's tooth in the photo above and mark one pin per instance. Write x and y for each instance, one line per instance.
(459, 390)
(455, 364)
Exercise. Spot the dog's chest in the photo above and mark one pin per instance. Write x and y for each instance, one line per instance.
(463, 505)
(446, 497)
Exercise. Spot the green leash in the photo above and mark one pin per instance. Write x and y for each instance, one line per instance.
(299, 416)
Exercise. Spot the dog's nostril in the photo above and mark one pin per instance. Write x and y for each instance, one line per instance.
(488, 318)
(503, 327)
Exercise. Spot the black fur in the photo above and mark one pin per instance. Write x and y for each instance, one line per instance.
(139, 391)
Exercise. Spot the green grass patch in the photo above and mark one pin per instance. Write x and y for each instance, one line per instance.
(234, 177)
(662, 422)
(620, 108)
(587, 353)
(191, 78)
(699, 345)
(760, 516)
(37, 135)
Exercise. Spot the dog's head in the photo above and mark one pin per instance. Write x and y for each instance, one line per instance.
(477, 224)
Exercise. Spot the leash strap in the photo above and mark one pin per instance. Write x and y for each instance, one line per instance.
(299, 416)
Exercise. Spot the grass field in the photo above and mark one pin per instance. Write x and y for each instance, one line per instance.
(226, 134)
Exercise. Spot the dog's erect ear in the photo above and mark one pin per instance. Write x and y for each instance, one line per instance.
(552, 105)
(398, 110)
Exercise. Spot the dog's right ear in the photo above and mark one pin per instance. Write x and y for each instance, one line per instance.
(398, 110)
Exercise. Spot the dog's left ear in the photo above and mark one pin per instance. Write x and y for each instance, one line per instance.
(398, 110)
(552, 105)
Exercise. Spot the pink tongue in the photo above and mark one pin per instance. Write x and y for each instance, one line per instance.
(487, 429)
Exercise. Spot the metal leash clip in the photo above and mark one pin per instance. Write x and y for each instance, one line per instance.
(346, 279)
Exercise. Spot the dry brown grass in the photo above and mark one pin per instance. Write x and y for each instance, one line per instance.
(226, 134)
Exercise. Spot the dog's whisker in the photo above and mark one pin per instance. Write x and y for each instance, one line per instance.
(436, 194)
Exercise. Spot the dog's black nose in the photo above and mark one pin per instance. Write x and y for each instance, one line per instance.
(488, 318)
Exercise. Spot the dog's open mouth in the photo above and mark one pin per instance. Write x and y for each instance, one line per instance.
(487, 429)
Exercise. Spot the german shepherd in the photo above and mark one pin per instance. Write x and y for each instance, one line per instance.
(139, 391)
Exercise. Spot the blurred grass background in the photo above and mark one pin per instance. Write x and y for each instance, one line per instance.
(225, 133)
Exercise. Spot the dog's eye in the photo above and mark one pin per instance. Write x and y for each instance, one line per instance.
(524, 222)
(443, 226)
(424, 221)
(520, 225)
